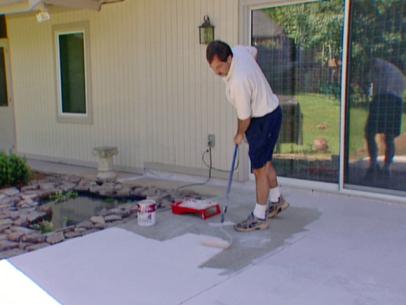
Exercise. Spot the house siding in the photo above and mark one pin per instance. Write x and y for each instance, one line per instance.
(153, 95)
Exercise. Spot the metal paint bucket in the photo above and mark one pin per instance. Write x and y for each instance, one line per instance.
(146, 212)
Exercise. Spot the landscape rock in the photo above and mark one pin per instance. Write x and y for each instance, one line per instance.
(33, 238)
(97, 220)
(111, 218)
(20, 210)
(7, 245)
(73, 234)
(31, 187)
(35, 216)
(54, 238)
(11, 253)
(11, 191)
(36, 246)
(15, 236)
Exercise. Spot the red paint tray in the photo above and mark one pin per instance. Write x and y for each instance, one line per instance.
(204, 208)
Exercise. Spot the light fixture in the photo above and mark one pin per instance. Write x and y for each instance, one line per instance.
(43, 14)
(206, 31)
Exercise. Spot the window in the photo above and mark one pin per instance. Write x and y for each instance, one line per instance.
(3, 27)
(72, 67)
(3, 79)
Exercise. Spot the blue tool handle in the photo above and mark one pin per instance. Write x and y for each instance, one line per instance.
(223, 215)
(230, 178)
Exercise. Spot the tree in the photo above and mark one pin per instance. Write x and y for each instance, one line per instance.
(378, 30)
(313, 26)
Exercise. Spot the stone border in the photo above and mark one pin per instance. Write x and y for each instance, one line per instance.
(20, 208)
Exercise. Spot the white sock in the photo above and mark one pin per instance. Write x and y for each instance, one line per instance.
(260, 210)
(274, 194)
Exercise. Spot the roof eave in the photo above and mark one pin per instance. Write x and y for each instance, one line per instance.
(24, 6)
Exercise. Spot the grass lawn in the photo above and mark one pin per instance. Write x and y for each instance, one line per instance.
(321, 119)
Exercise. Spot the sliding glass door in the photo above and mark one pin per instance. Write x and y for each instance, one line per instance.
(300, 52)
(375, 143)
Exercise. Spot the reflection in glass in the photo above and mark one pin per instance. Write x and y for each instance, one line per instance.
(375, 137)
(299, 50)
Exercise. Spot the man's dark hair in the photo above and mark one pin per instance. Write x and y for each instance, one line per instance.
(218, 48)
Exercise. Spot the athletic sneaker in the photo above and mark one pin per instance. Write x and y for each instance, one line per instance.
(277, 207)
(252, 223)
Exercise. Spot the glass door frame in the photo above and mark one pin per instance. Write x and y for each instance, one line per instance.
(245, 29)
(246, 9)
(378, 193)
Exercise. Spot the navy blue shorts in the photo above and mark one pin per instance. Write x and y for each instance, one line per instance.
(262, 135)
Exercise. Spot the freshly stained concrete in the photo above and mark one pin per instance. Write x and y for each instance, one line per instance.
(325, 249)
(246, 247)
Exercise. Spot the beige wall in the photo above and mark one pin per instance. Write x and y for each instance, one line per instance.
(153, 94)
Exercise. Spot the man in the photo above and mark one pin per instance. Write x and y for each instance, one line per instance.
(385, 112)
(259, 120)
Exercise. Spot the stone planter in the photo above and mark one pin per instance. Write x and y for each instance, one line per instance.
(105, 156)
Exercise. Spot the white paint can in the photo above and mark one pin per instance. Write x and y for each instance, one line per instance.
(146, 212)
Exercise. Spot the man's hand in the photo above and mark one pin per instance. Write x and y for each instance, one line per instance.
(242, 128)
(238, 138)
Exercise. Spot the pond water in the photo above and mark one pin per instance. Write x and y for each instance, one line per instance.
(74, 211)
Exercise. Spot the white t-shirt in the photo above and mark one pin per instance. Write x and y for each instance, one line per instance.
(246, 86)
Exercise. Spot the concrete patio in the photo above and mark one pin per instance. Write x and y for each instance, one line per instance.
(325, 249)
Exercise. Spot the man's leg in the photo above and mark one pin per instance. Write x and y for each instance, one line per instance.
(271, 175)
(372, 150)
(262, 183)
(389, 152)
(276, 202)
(274, 192)
(257, 220)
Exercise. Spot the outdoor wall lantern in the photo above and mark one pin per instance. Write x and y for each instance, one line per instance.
(206, 31)
(43, 14)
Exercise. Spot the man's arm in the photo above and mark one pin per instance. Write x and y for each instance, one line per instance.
(243, 125)
(242, 128)
(241, 96)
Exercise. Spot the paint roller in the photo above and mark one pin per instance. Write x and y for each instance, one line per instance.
(218, 242)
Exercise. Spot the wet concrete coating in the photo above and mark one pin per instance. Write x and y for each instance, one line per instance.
(326, 248)
(246, 247)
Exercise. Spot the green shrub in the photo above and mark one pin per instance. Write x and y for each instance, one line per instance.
(3, 169)
(44, 226)
(14, 170)
(63, 196)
